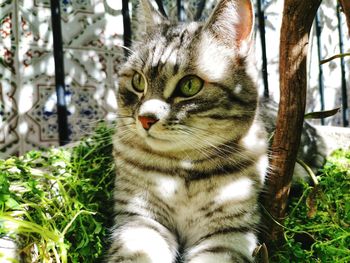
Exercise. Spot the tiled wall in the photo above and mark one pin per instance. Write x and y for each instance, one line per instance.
(92, 32)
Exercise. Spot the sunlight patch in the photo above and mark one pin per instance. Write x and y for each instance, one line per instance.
(235, 191)
(252, 141)
(157, 107)
(167, 186)
(238, 89)
(146, 241)
(213, 61)
(262, 166)
(186, 164)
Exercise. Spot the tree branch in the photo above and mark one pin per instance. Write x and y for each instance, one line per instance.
(334, 57)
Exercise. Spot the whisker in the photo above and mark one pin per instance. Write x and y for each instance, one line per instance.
(224, 155)
(203, 150)
(132, 52)
(125, 137)
(229, 148)
(226, 150)
(127, 48)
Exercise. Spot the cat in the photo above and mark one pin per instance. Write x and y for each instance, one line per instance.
(190, 149)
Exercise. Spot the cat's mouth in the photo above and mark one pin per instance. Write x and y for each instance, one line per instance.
(151, 134)
(159, 144)
(160, 139)
(151, 137)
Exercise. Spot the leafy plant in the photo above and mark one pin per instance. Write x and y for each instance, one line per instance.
(56, 205)
(317, 228)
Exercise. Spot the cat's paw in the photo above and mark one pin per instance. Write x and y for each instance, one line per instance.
(222, 257)
(142, 244)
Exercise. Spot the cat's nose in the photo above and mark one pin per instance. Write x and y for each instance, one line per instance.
(147, 121)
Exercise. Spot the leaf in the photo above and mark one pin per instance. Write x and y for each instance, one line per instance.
(308, 170)
(321, 114)
(12, 204)
(42, 193)
(311, 202)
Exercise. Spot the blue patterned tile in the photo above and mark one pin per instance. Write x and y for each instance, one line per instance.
(84, 112)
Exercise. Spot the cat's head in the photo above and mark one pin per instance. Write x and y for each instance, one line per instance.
(186, 86)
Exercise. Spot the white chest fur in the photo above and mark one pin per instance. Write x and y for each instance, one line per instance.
(190, 204)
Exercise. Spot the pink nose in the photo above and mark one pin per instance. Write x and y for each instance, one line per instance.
(147, 122)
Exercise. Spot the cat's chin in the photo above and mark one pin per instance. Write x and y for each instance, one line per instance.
(162, 145)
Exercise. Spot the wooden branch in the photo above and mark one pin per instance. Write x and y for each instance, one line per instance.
(345, 4)
(296, 23)
(334, 57)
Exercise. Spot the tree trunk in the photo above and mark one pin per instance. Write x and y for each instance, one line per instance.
(345, 4)
(296, 23)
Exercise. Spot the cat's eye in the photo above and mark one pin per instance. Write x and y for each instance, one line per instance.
(138, 82)
(189, 86)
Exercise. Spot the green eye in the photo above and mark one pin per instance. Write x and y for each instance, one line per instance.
(189, 86)
(138, 82)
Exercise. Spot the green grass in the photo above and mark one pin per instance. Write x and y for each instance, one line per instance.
(317, 228)
(57, 204)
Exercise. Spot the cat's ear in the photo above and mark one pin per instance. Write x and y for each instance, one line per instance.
(148, 16)
(232, 22)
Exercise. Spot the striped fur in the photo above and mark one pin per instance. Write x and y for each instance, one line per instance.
(186, 190)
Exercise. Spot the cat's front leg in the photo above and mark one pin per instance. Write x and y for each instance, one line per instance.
(223, 248)
(142, 240)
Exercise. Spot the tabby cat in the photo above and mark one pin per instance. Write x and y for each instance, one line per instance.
(190, 151)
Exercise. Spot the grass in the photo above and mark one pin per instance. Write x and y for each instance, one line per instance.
(56, 205)
(317, 228)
